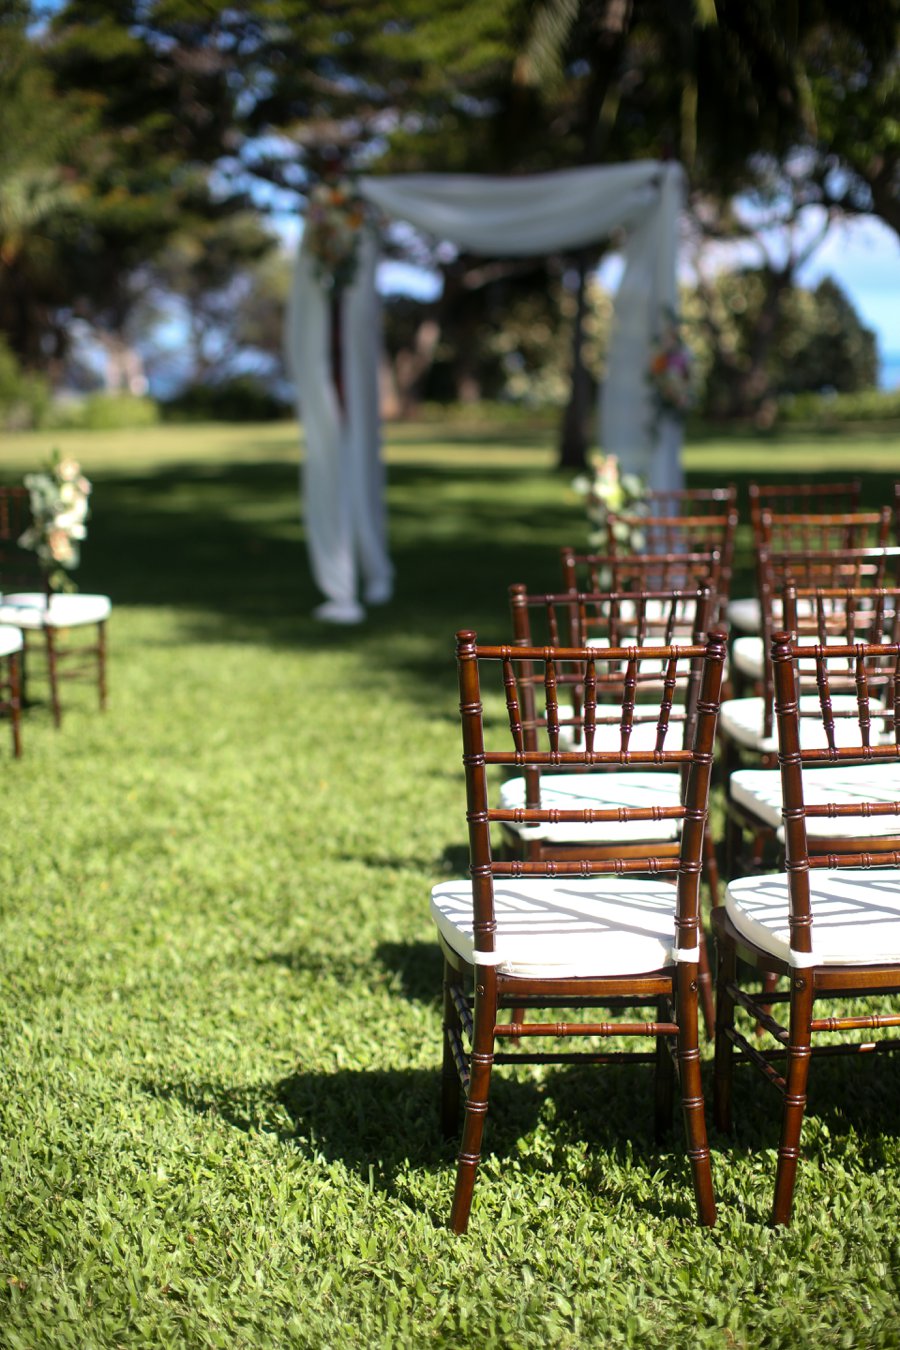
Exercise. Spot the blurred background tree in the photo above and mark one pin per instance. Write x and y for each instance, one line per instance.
(146, 145)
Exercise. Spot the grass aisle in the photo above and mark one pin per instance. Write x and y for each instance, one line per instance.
(219, 988)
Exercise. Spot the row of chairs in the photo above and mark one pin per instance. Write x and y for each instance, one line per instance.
(605, 709)
(30, 611)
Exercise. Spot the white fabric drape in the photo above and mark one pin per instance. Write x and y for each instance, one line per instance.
(540, 213)
(343, 477)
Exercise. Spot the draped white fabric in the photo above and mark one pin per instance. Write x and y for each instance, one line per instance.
(343, 476)
(527, 216)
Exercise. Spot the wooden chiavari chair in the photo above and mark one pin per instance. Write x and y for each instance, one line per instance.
(10, 682)
(582, 934)
(813, 615)
(645, 618)
(829, 922)
(28, 603)
(592, 573)
(678, 534)
(746, 724)
(805, 531)
(823, 565)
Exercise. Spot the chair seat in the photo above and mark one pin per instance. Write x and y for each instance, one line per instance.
(748, 657)
(759, 792)
(32, 609)
(744, 613)
(10, 639)
(856, 915)
(576, 791)
(741, 719)
(559, 928)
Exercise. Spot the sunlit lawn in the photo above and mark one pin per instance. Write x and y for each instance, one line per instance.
(218, 984)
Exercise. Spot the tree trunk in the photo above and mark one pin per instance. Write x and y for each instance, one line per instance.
(575, 434)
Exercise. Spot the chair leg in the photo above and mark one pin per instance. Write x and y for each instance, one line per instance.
(450, 1084)
(692, 1091)
(704, 977)
(53, 675)
(723, 1070)
(734, 841)
(796, 1076)
(711, 868)
(664, 1080)
(101, 664)
(482, 1062)
(15, 705)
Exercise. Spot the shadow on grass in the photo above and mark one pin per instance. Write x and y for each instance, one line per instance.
(379, 1123)
(222, 548)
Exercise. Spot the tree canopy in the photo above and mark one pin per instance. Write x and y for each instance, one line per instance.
(140, 139)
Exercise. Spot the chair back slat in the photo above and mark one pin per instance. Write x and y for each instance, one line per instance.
(590, 704)
(551, 702)
(512, 704)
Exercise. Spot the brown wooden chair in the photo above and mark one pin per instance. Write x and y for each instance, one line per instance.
(678, 534)
(805, 531)
(826, 565)
(829, 923)
(557, 934)
(804, 498)
(593, 573)
(10, 681)
(813, 615)
(645, 618)
(28, 602)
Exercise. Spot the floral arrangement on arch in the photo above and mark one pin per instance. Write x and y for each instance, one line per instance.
(608, 492)
(335, 217)
(671, 369)
(59, 508)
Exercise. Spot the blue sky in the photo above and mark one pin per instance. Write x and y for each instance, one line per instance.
(863, 256)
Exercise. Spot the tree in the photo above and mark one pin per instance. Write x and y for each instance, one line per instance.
(817, 343)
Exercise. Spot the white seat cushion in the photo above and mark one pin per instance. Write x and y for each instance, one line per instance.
(654, 667)
(747, 654)
(10, 640)
(856, 915)
(575, 791)
(559, 928)
(744, 614)
(30, 609)
(608, 736)
(759, 792)
(742, 720)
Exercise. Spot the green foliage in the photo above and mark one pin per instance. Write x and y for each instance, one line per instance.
(220, 1010)
(102, 412)
(241, 399)
(831, 411)
(24, 398)
(814, 341)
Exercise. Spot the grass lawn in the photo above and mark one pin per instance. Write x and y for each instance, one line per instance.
(219, 987)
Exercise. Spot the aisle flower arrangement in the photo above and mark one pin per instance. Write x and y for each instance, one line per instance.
(608, 491)
(59, 507)
(335, 217)
(671, 371)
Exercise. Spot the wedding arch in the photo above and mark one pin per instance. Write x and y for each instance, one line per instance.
(337, 384)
